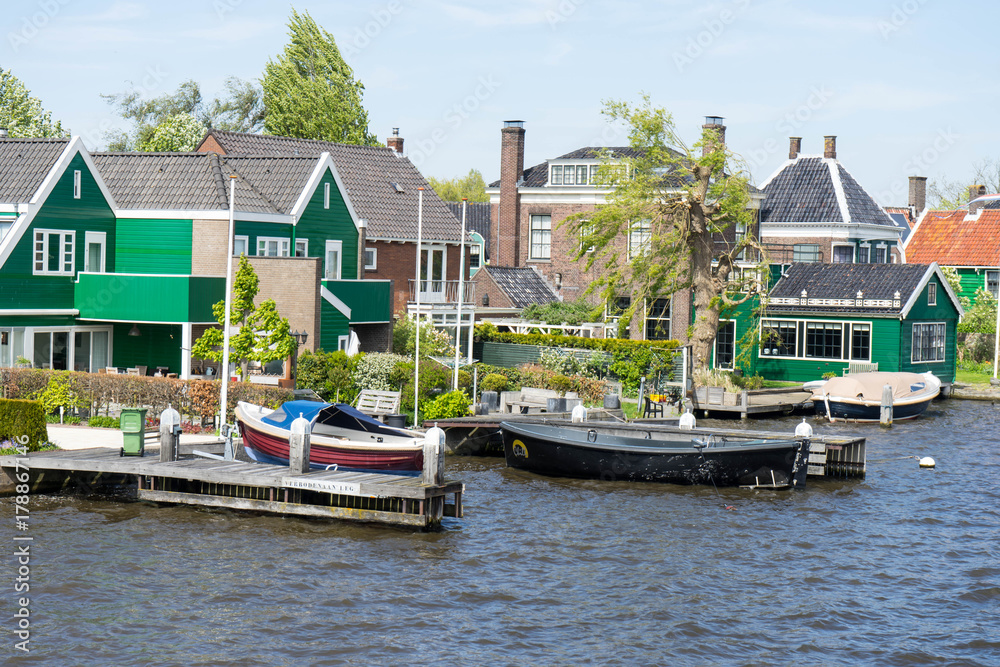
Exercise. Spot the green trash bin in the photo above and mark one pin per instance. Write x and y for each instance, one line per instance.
(133, 425)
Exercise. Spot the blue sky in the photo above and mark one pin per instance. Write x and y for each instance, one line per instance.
(906, 85)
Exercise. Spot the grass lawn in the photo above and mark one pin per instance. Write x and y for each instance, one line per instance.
(973, 377)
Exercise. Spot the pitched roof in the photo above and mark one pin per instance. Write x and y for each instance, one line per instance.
(817, 189)
(834, 287)
(24, 164)
(538, 175)
(953, 238)
(477, 219)
(522, 284)
(381, 185)
(903, 217)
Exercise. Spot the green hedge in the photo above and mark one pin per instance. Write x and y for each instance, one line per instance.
(19, 418)
(488, 333)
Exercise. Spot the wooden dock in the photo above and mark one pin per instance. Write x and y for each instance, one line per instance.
(752, 402)
(191, 480)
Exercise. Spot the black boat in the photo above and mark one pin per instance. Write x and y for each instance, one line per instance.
(659, 454)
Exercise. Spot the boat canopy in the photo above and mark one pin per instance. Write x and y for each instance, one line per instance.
(338, 415)
(868, 386)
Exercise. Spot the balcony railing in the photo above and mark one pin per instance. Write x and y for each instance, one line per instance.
(442, 291)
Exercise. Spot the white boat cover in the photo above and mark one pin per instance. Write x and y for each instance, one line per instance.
(868, 386)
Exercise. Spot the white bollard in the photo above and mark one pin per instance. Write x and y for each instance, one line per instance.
(170, 434)
(803, 430)
(298, 445)
(885, 413)
(434, 456)
(687, 421)
(579, 414)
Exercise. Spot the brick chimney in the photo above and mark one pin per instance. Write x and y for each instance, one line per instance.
(830, 147)
(794, 147)
(718, 132)
(395, 142)
(975, 191)
(509, 211)
(918, 194)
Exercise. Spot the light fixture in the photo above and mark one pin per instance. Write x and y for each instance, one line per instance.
(300, 337)
(134, 331)
(486, 300)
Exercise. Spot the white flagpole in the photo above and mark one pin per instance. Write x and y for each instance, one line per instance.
(461, 296)
(229, 303)
(416, 360)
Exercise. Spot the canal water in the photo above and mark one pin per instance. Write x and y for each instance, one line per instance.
(901, 568)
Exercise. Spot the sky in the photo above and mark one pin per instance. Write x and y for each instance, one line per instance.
(905, 85)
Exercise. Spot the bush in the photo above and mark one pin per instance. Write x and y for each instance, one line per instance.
(434, 378)
(23, 422)
(375, 371)
(433, 341)
(494, 382)
(329, 374)
(487, 332)
(560, 383)
(58, 393)
(446, 406)
(104, 422)
(559, 312)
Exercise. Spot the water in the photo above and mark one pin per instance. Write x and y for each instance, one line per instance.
(899, 569)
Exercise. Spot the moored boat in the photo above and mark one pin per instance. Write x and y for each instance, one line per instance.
(858, 396)
(662, 454)
(340, 436)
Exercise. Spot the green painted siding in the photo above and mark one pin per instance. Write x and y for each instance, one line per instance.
(45, 321)
(971, 280)
(921, 312)
(19, 288)
(159, 345)
(319, 224)
(146, 298)
(333, 324)
(369, 300)
(154, 246)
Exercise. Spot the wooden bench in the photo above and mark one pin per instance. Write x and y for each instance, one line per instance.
(861, 367)
(377, 403)
(530, 398)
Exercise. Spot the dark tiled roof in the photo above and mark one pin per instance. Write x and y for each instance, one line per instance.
(24, 163)
(805, 190)
(948, 238)
(523, 285)
(369, 174)
(844, 281)
(477, 219)
(901, 217)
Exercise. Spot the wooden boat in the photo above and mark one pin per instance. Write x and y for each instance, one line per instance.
(858, 396)
(655, 454)
(340, 436)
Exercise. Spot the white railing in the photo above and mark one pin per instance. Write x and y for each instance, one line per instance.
(442, 291)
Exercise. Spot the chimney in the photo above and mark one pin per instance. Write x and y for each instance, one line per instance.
(974, 192)
(794, 147)
(395, 142)
(509, 211)
(717, 133)
(830, 147)
(918, 194)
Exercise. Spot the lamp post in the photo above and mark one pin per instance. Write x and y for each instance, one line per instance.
(300, 339)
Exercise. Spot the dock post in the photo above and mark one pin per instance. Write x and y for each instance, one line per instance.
(885, 414)
(170, 434)
(298, 445)
(434, 456)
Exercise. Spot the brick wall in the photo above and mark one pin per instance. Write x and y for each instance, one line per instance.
(398, 262)
(784, 254)
(209, 246)
(211, 146)
(293, 283)
(374, 337)
(486, 285)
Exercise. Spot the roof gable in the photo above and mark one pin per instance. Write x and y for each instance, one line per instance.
(954, 238)
(24, 164)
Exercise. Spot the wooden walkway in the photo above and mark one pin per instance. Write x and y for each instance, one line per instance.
(756, 402)
(359, 496)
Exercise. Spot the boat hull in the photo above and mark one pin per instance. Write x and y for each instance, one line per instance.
(590, 452)
(268, 448)
(867, 412)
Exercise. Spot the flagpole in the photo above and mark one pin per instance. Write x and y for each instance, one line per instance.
(229, 303)
(416, 360)
(461, 296)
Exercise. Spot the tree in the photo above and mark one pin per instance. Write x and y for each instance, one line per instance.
(263, 334)
(180, 132)
(472, 186)
(310, 92)
(22, 114)
(673, 206)
(952, 195)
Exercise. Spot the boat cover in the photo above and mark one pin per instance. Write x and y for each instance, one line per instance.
(868, 386)
(339, 415)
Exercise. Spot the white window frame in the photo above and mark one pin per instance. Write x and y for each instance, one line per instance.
(996, 282)
(339, 247)
(41, 254)
(283, 245)
(99, 238)
(936, 329)
(715, 347)
(475, 250)
(802, 338)
(884, 249)
(343, 342)
(373, 265)
(305, 247)
(553, 171)
(866, 248)
(544, 238)
(640, 234)
(29, 343)
(586, 229)
(833, 252)
(326, 195)
(931, 294)
(246, 245)
(77, 183)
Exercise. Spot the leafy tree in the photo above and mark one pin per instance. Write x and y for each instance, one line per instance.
(674, 203)
(22, 114)
(471, 186)
(263, 334)
(180, 132)
(981, 315)
(558, 312)
(952, 195)
(433, 341)
(310, 92)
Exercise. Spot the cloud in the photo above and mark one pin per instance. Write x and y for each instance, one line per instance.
(503, 16)
(120, 11)
(233, 32)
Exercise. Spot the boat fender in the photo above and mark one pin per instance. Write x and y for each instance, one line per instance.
(804, 430)
(687, 420)
(927, 462)
(579, 414)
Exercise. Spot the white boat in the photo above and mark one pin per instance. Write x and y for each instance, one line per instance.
(858, 396)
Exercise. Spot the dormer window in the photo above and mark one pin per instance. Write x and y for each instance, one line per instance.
(573, 174)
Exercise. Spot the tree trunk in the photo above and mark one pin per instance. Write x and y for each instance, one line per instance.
(706, 297)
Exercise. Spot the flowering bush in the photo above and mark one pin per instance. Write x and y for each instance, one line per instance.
(375, 371)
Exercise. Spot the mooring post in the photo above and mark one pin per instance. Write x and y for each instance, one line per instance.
(434, 456)
(298, 445)
(885, 414)
(170, 434)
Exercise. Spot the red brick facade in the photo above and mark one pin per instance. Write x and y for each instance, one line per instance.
(508, 233)
(397, 262)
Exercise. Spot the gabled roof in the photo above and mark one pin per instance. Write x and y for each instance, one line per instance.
(477, 219)
(954, 238)
(812, 189)
(381, 185)
(834, 288)
(24, 164)
(523, 285)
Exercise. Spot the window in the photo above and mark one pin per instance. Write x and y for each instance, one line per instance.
(301, 247)
(931, 294)
(586, 231)
(805, 252)
(54, 252)
(778, 338)
(342, 343)
(861, 341)
(569, 175)
(76, 184)
(11, 346)
(992, 281)
(618, 305)
(928, 342)
(370, 258)
(880, 254)
(240, 245)
(581, 174)
(658, 320)
(332, 260)
(95, 255)
(326, 195)
(725, 345)
(541, 237)
(475, 252)
(639, 236)
(824, 340)
(843, 254)
(573, 174)
(593, 173)
(864, 254)
(557, 173)
(272, 247)
(4, 228)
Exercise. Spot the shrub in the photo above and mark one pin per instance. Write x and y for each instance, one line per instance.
(59, 394)
(494, 382)
(488, 332)
(375, 370)
(559, 312)
(23, 422)
(433, 341)
(329, 374)
(446, 406)
(104, 422)
(434, 378)
(560, 383)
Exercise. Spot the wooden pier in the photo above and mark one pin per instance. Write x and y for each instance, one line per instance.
(752, 402)
(192, 480)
